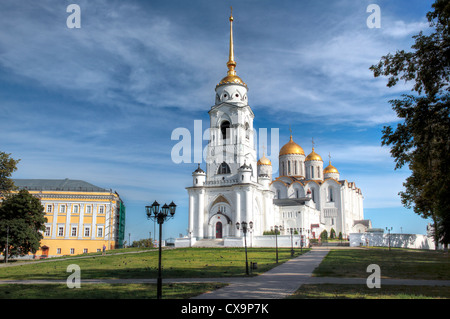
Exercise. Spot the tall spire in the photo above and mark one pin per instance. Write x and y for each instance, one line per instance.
(231, 77)
(231, 64)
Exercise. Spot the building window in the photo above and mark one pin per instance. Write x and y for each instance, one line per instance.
(58, 251)
(100, 232)
(74, 231)
(85, 250)
(225, 129)
(49, 208)
(60, 231)
(312, 195)
(89, 209)
(330, 194)
(289, 167)
(72, 251)
(296, 193)
(87, 231)
(47, 231)
(224, 169)
(101, 210)
(75, 209)
(62, 208)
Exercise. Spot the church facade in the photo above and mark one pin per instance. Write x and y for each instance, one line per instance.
(236, 187)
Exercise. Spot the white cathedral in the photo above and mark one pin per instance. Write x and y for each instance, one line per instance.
(237, 187)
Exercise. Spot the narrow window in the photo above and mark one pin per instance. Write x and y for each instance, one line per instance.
(225, 129)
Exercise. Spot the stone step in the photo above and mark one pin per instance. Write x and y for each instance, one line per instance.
(209, 243)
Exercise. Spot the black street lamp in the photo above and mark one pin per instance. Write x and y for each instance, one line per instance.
(276, 238)
(389, 230)
(160, 216)
(292, 242)
(245, 228)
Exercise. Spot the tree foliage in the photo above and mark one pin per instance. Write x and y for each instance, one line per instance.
(22, 221)
(422, 139)
(7, 166)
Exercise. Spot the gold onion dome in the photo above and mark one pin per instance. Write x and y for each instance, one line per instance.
(313, 156)
(231, 77)
(264, 161)
(292, 148)
(330, 169)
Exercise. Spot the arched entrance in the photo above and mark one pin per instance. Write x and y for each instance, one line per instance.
(218, 230)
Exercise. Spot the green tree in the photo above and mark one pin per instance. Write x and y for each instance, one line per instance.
(332, 233)
(422, 139)
(324, 235)
(22, 221)
(7, 166)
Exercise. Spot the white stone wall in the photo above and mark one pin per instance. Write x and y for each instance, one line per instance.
(416, 241)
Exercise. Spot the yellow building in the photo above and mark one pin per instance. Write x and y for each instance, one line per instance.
(81, 217)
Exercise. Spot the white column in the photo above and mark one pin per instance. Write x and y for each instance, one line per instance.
(55, 218)
(94, 222)
(201, 213)
(191, 215)
(68, 230)
(80, 222)
(238, 212)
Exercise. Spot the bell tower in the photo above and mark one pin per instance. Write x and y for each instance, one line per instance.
(231, 128)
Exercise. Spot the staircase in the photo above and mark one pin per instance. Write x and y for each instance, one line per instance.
(209, 243)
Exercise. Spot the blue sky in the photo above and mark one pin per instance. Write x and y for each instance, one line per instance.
(100, 103)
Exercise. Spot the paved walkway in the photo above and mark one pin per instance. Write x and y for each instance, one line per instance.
(279, 282)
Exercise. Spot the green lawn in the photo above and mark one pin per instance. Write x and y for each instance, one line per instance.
(177, 263)
(329, 291)
(105, 291)
(397, 263)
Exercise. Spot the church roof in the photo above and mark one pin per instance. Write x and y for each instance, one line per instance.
(291, 201)
(57, 185)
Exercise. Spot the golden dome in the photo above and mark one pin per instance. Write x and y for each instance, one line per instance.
(264, 161)
(330, 169)
(232, 79)
(313, 157)
(292, 148)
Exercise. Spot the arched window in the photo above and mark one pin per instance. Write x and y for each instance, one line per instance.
(312, 195)
(330, 194)
(247, 130)
(225, 128)
(224, 169)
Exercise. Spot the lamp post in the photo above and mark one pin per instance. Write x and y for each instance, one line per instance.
(292, 242)
(245, 228)
(389, 238)
(301, 240)
(160, 216)
(276, 239)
